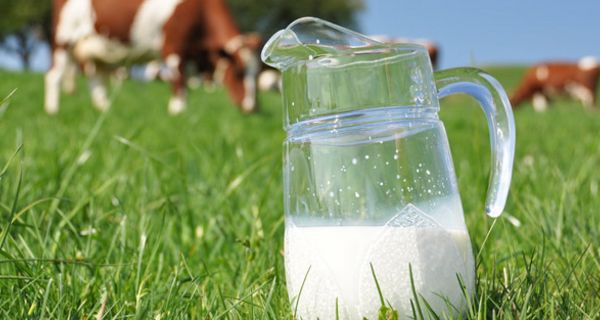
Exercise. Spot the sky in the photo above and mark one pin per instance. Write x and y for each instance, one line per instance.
(473, 32)
(484, 32)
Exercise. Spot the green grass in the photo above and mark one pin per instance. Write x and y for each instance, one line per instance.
(136, 214)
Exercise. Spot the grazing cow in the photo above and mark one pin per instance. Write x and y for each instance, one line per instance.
(432, 47)
(543, 81)
(103, 35)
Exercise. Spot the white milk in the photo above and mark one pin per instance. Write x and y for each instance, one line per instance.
(339, 259)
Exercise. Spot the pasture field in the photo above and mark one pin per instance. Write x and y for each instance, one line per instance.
(136, 214)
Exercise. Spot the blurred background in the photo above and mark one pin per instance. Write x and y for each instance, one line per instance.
(132, 213)
(468, 32)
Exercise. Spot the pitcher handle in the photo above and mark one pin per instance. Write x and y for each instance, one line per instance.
(498, 112)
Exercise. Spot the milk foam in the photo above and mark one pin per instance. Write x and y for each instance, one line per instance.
(336, 262)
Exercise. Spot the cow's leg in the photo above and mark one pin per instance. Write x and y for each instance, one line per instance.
(98, 84)
(152, 70)
(593, 84)
(250, 74)
(53, 79)
(68, 80)
(540, 102)
(177, 102)
(174, 52)
(220, 69)
(98, 80)
(587, 98)
(583, 94)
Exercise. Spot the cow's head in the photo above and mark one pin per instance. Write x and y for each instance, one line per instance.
(239, 66)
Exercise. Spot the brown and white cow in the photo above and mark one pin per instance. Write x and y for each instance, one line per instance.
(103, 35)
(546, 80)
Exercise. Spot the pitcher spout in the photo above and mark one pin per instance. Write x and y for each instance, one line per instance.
(308, 38)
(273, 53)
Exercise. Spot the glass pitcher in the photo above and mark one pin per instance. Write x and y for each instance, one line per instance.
(372, 211)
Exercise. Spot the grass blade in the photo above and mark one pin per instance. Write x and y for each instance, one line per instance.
(13, 210)
(300, 292)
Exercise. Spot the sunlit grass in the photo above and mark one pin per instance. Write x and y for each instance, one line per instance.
(135, 214)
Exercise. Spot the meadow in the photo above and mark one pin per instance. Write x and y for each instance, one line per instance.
(136, 214)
